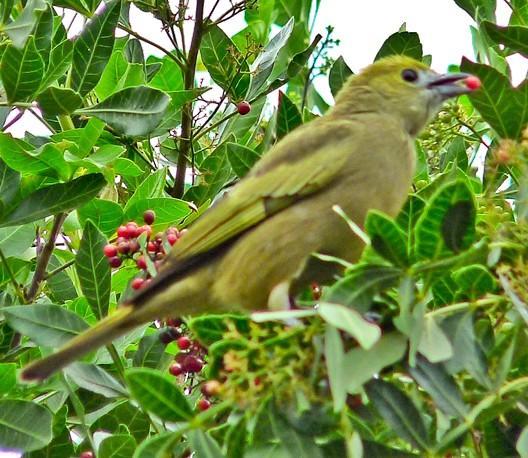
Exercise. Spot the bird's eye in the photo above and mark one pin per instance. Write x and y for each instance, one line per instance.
(409, 75)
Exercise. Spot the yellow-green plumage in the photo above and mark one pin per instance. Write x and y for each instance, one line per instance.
(253, 248)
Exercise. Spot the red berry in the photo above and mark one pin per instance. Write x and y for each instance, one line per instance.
(122, 231)
(244, 108)
(149, 216)
(123, 247)
(172, 230)
(115, 262)
(176, 369)
(110, 250)
(86, 454)
(152, 247)
(141, 263)
(172, 238)
(191, 364)
(132, 230)
(184, 343)
(174, 322)
(137, 283)
(472, 82)
(203, 404)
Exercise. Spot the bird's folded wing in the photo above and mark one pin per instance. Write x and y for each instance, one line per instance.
(276, 183)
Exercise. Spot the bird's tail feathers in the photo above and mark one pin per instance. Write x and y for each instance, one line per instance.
(105, 331)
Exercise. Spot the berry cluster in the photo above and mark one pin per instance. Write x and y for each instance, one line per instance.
(189, 362)
(127, 246)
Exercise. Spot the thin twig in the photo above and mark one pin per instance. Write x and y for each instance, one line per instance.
(15, 119)
(59, 269)
(210, 15)
(187, 110)
(44, 257)
(42, 120)
(12, 278)
(176, 59)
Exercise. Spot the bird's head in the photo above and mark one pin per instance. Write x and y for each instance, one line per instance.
(408, 89)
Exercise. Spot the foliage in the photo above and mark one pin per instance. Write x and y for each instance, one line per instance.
(419, 349)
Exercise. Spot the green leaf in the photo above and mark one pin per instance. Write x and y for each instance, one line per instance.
(93, 48)
(433, 342)
(360, 365)
(117, 446)
(358, 288)
(59, 101)
(54, 199)
(334, 356)
(350, 321)
(152, 186)
(94, 379)
(9, 183)
(288, 116)
(224, 62)
(46, 324)
(263, 64)
(169, 77)
(85, 7)
(514, 37)
(150, 352)
(24, 425)
(21, 71)
(210, 328)
(447, 224)
(60, 285)
(399, 412)
(157, 394)
(434, 379)
(339, 74)
(405, 43)
(20, 29)
(467, 353)
(387, 238)
(474, 281)
(203, 445)
(522, 443)
(241, 158)
(15, 240)
(478, 9)
(7, 377)
(106, 215)
(134, 111)
(126, 168)
(93, 269)
(59, 63)
(500, 104)
(158, 446)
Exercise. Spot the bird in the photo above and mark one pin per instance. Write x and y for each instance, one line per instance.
(254, 248)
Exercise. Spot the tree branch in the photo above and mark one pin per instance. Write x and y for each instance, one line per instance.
(187, 110)
(44, 257)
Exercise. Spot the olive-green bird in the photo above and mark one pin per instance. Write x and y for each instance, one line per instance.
(253, 248)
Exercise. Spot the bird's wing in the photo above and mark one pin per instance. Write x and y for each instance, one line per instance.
(305, 163)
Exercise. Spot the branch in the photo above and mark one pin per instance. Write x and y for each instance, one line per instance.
(177, 59)
(44, 257)
(15, 119)
(12, 278)
(187, 110)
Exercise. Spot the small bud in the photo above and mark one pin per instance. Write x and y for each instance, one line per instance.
(203, 404)
(141, 263)
(172, 238)
(211, 388)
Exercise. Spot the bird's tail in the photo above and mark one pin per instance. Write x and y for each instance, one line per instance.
(102, 333)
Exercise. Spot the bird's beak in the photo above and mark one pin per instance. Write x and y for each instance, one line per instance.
(450, 84)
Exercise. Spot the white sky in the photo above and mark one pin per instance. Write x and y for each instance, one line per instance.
(442, 26)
